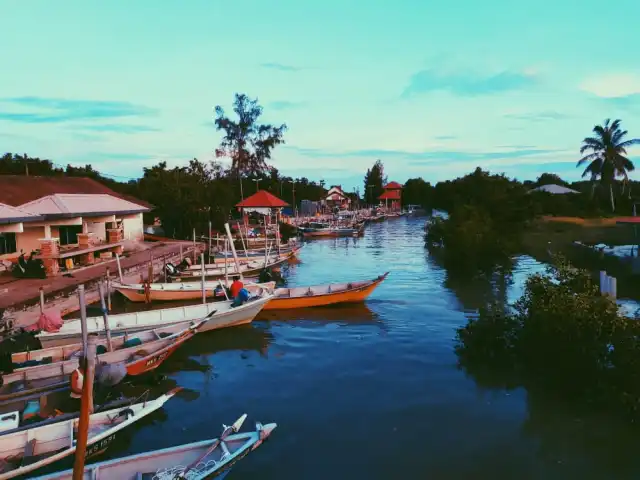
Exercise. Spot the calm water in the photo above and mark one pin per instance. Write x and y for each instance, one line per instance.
(373, 391)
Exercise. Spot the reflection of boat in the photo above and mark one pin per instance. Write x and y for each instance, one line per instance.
(322, 295)
(206, 459)
(141, 353)
(165, 292)
(216, 315)
(346, 313)
(28, 450)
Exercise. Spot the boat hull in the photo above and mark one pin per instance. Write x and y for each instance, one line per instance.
(136, 293)
(355, 295)
(235, 316)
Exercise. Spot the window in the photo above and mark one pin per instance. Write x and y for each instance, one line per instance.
(69, 234)
(8, 243)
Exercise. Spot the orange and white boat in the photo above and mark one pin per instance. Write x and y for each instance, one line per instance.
(322, 295)
(140, 353)
(169, 292)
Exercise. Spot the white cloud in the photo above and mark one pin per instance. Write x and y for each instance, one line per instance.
(613, 85)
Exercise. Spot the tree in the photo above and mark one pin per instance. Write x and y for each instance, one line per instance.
(607, 155)
(416, 192)
(550, 179)
(247, 142)
(374, 181)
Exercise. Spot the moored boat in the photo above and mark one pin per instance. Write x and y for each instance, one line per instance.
(28, 450)
(251, 268)
(167, 292)
(215, 315)
(322, 295)
(195, 461)
(139, 353)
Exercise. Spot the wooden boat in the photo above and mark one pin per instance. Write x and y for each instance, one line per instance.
(215, 315)
(167, 292)
(28, 450)
(206, 459)
(331, 232)
(272, 257)
(155, 347)
(250, 268)
(322, 295)
(251, 256)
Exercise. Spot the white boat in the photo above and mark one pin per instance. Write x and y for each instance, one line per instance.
(142, 353)
(253, 267)
(195, 461)
(166, 292)
(26, 451)
(216, 315)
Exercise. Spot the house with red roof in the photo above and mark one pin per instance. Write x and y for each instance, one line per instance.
(65, 219)
(391, 198)
(263, 203)
(336, 197)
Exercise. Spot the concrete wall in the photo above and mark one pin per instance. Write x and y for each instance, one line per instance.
(28, 240)
(98, 229)
(133, 227)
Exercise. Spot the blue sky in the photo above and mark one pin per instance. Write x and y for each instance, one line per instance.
(433, 89)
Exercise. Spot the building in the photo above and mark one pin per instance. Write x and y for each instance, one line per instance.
(391, 198)
(309, 208)
(67, 220)
(262, 203)
(336, 197)
(554, 189)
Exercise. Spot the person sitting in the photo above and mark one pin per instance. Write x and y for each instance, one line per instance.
(236, 286)
(242, 297)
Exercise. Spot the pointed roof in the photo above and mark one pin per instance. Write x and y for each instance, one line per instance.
(390, 195)
(392, 185)
(262, 199)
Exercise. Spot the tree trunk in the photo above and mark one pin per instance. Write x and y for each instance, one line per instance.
(613, 205)
(593, 189)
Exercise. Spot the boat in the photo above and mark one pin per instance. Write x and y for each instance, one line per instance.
(325, 230)
(272, 257)
(251, 268)
(28, 450)
(140, 353)
(195, 461)
(166, 292)
(247, 256)
(215, 315)
(322, 295)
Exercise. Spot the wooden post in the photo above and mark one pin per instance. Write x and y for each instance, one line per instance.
(41, 300)
(226, 270)
(108, 290)
(181, 257)
(86, 405)
(83, 318)
(105, 317)
(278, 232)
(204, 290)
(194, 246)
(209, 250)
(164, 267)
(119, 267)
(224, 289)
(265, 242)
(244, 246)
(233, 250)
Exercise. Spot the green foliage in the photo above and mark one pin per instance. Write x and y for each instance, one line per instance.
(417, 192)
(374, 181)
(247, 142)
(561, 335)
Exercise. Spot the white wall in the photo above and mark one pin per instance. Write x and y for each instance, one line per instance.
(133, 227)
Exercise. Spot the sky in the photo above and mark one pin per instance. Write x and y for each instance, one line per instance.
(433, 89)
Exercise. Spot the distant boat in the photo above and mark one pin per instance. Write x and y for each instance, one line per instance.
(28, 450)
(322, 295)
(215, 315)
(195, 461)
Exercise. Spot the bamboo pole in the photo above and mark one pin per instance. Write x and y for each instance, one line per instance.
(105, 317)
(86, 406)
(108, 290)
(202, 268)
(119, 267)
(226, 270)
(244, 246)
(233, 250)
(83, 318)
(194, 246)
(41, 300)
(209, 250)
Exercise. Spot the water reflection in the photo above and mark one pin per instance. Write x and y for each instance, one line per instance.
(344, 315)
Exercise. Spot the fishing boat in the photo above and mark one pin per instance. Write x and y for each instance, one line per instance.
(251, 268)
(195, 461)
(322, 295)
(271, 258)
(167, 292)
(140, 353)
(215, 315)
(26, 451)
(247, 256)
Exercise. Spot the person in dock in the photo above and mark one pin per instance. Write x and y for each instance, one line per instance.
(236, 286)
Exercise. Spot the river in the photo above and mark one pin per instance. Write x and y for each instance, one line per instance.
(373, 391)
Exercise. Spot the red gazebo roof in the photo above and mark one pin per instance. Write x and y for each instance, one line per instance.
(262, 199)
(393, 185)
(390, 195)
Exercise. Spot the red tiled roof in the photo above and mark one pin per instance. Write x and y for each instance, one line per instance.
(392, 185)
(16, 190)
(390, 195)
(262, 199)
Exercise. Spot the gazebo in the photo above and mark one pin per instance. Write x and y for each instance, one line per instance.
(261, 202)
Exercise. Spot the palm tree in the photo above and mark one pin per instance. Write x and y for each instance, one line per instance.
(607, 158)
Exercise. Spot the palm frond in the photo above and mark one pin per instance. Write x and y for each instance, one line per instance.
(588, 158)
